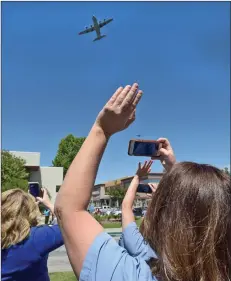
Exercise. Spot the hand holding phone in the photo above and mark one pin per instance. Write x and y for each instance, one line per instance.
(45, 200)
(147, 188)
(167, 156)
(148, 148)
(34, 189)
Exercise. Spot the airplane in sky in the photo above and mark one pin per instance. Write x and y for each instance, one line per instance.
(96, 27)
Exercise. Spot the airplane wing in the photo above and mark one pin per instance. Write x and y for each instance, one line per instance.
(87, 30)
(101, 24)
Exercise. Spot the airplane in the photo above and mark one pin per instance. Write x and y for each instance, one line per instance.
(96, 27)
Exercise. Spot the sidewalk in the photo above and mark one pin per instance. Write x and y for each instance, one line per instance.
(110, 230)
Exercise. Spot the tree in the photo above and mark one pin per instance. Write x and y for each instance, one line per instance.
(117, 193)
(68, 148)
(13, 172)
(227, 171)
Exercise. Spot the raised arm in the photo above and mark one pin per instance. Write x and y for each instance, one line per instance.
(78, 227)
(131, 238)
(127, 204)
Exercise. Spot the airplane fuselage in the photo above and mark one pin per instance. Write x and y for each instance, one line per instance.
(96, 26)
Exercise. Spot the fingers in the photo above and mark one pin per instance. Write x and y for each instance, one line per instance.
(164, 152)
(147, 165)
(130, 97)
(139, 166)
(39, 199)
(153, 186)
(127, 98)
(137, 99)
(144, 165)
(44, 192)
(121, 96)
(114, 97)
(165, 142)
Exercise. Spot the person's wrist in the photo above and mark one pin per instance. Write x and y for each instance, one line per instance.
(98, 130)
(137, 177)
(49, 205)
(170, 165)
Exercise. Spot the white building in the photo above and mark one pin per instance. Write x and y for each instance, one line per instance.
(48, 177)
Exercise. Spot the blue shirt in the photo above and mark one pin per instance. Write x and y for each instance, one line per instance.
(108, 261)
(27, 260)
(135, 244)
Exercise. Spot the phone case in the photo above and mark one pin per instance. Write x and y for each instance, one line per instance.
(154, 141)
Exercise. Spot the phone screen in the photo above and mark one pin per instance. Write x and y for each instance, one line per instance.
(34, 189)
(144, 188)
(145, 148)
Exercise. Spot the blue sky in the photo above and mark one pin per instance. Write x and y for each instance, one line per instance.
(54, 82)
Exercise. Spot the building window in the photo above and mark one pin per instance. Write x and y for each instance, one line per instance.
(151, 181)
(58, 188)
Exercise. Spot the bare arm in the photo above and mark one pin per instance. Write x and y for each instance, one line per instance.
(78, 227)
(127, 213)
(45, 200)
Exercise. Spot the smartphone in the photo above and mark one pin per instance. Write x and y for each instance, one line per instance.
(34, 189)
(149, 148)
(144, 188)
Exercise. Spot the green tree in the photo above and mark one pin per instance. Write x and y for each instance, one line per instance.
(68, 148)
(13, 172)
(227, 171)
(117, 193)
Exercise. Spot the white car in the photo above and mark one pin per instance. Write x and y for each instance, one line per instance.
(105, 209)
(117, 212)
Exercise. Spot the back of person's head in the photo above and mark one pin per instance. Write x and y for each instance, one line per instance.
(188, 224)
(19, 213)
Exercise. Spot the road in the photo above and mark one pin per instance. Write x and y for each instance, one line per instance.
(59, 262)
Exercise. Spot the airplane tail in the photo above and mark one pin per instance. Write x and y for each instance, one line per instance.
(98, 38)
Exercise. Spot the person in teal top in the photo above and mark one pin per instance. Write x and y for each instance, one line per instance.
(188, 221)
(47, 215)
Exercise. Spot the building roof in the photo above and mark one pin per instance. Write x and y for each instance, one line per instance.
(117, 182)
(32, 159)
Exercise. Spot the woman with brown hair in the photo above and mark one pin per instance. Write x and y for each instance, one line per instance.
(187, 225)
(25, 244)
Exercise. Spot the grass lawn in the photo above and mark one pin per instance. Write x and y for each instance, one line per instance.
(62, 276)
(118, 224)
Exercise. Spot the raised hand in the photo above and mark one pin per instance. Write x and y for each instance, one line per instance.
(45, 200)
(119, 112)
(153, 187)
(167, 156)
(145, 169)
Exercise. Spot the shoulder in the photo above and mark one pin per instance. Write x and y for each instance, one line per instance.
(97, 264)
(44, 231)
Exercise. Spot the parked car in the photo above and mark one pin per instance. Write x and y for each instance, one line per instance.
(137, 212)
(117, 212)
(105, 210)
